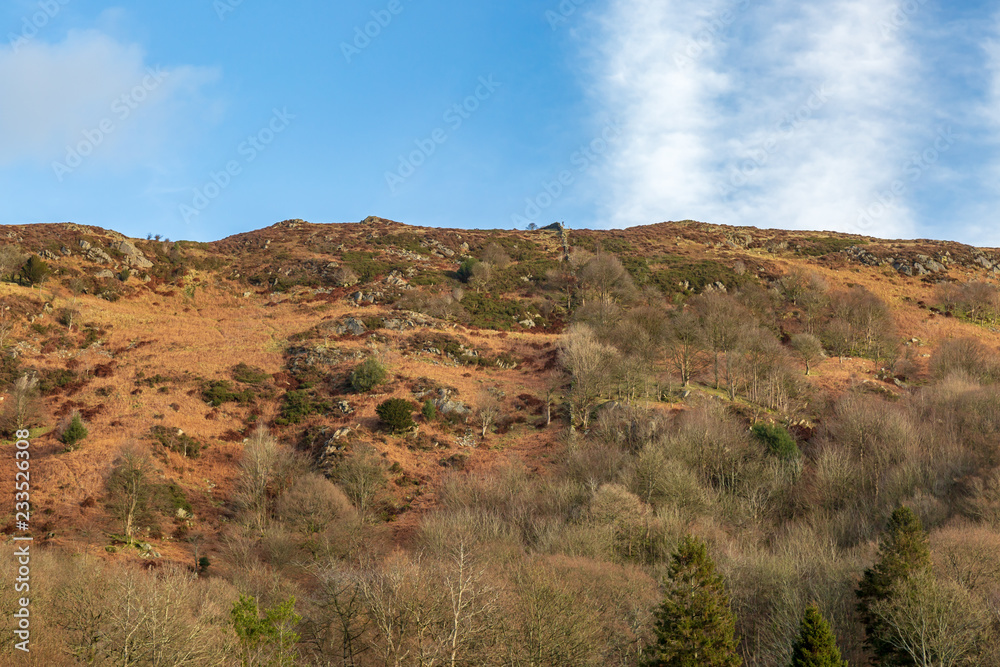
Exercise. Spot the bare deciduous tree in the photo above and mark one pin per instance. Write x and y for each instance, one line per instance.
(808, 348)
(587, 361)
(129, 487)
(488, 410)
(257, 469)
(937, 624)
(22, 408)
(605, 277)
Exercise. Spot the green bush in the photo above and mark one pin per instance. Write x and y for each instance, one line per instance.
(368, 375)
(778, 440)
(249, 374)
(397, 413)
(429, 410)
(465, 269)
(74, 432)
(218, 392)
(176, 440)
(298, 405)
(34, 271)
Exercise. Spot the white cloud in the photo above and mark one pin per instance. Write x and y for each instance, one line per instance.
(817, 104)
(59, 95)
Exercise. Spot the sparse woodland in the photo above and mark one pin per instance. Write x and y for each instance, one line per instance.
(676, 445)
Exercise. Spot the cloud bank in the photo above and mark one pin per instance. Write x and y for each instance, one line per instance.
(801, 116)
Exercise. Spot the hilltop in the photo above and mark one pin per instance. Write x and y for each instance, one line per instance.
(187, 348)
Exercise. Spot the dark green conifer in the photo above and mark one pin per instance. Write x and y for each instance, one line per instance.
(902, 554)
(694, 625)
(816, 645)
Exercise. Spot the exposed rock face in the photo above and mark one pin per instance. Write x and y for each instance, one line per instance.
(104, 273)
(351, 325)
(97, 255)
(133, 256)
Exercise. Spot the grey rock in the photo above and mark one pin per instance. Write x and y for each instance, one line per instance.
(104, 273)
(351, 325)
(85, 244)
(447, 406)
(99, 256)
(133, 256)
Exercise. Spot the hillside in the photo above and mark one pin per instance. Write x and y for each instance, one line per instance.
(185, 349)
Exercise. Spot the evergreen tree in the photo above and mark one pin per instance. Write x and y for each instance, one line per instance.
(74, 432)
(902, 554)
(34, 271)
(694, 625)
(397, 413)
(816, 645)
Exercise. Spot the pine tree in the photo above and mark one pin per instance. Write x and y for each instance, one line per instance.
(694, 625)
(34, 271)
(74, 432)
(903, 553)
(816, 645)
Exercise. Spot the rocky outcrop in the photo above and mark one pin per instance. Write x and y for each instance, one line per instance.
(132, 255)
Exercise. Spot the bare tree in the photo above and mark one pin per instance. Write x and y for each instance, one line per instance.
(22, 408)
(11, 259)
(362, 478)
(344, 276)
(937, 624)
(723, 321)
(488, 410)
(257, 469)
(605, 277)
(496, 256)
(129, 488)
(7, 323)
(808, 348)
(312, 503)
(685, 343)
(469, 598)
(586, 360)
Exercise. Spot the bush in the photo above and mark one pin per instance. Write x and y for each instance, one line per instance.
(176, 440)
(218, 392)
(34, 271)
(249, 374)
(778, 440)
(429, 410)
(397, 413)
(74, 432)
(368, 375)
(298, 405)
(466, 268)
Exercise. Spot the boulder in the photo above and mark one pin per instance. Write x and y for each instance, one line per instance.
(351, 325)
(133, 256)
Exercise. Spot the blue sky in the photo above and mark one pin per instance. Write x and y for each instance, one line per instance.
(202, 119)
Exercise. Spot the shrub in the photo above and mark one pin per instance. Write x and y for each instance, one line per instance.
(397, 413)
(778, 440)
(368, 375)
(218, 392)
(34, 271)
(466, 268)
(298, 405)
(249, 374)
(176, 440)
(429, 410)
(74, 432)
